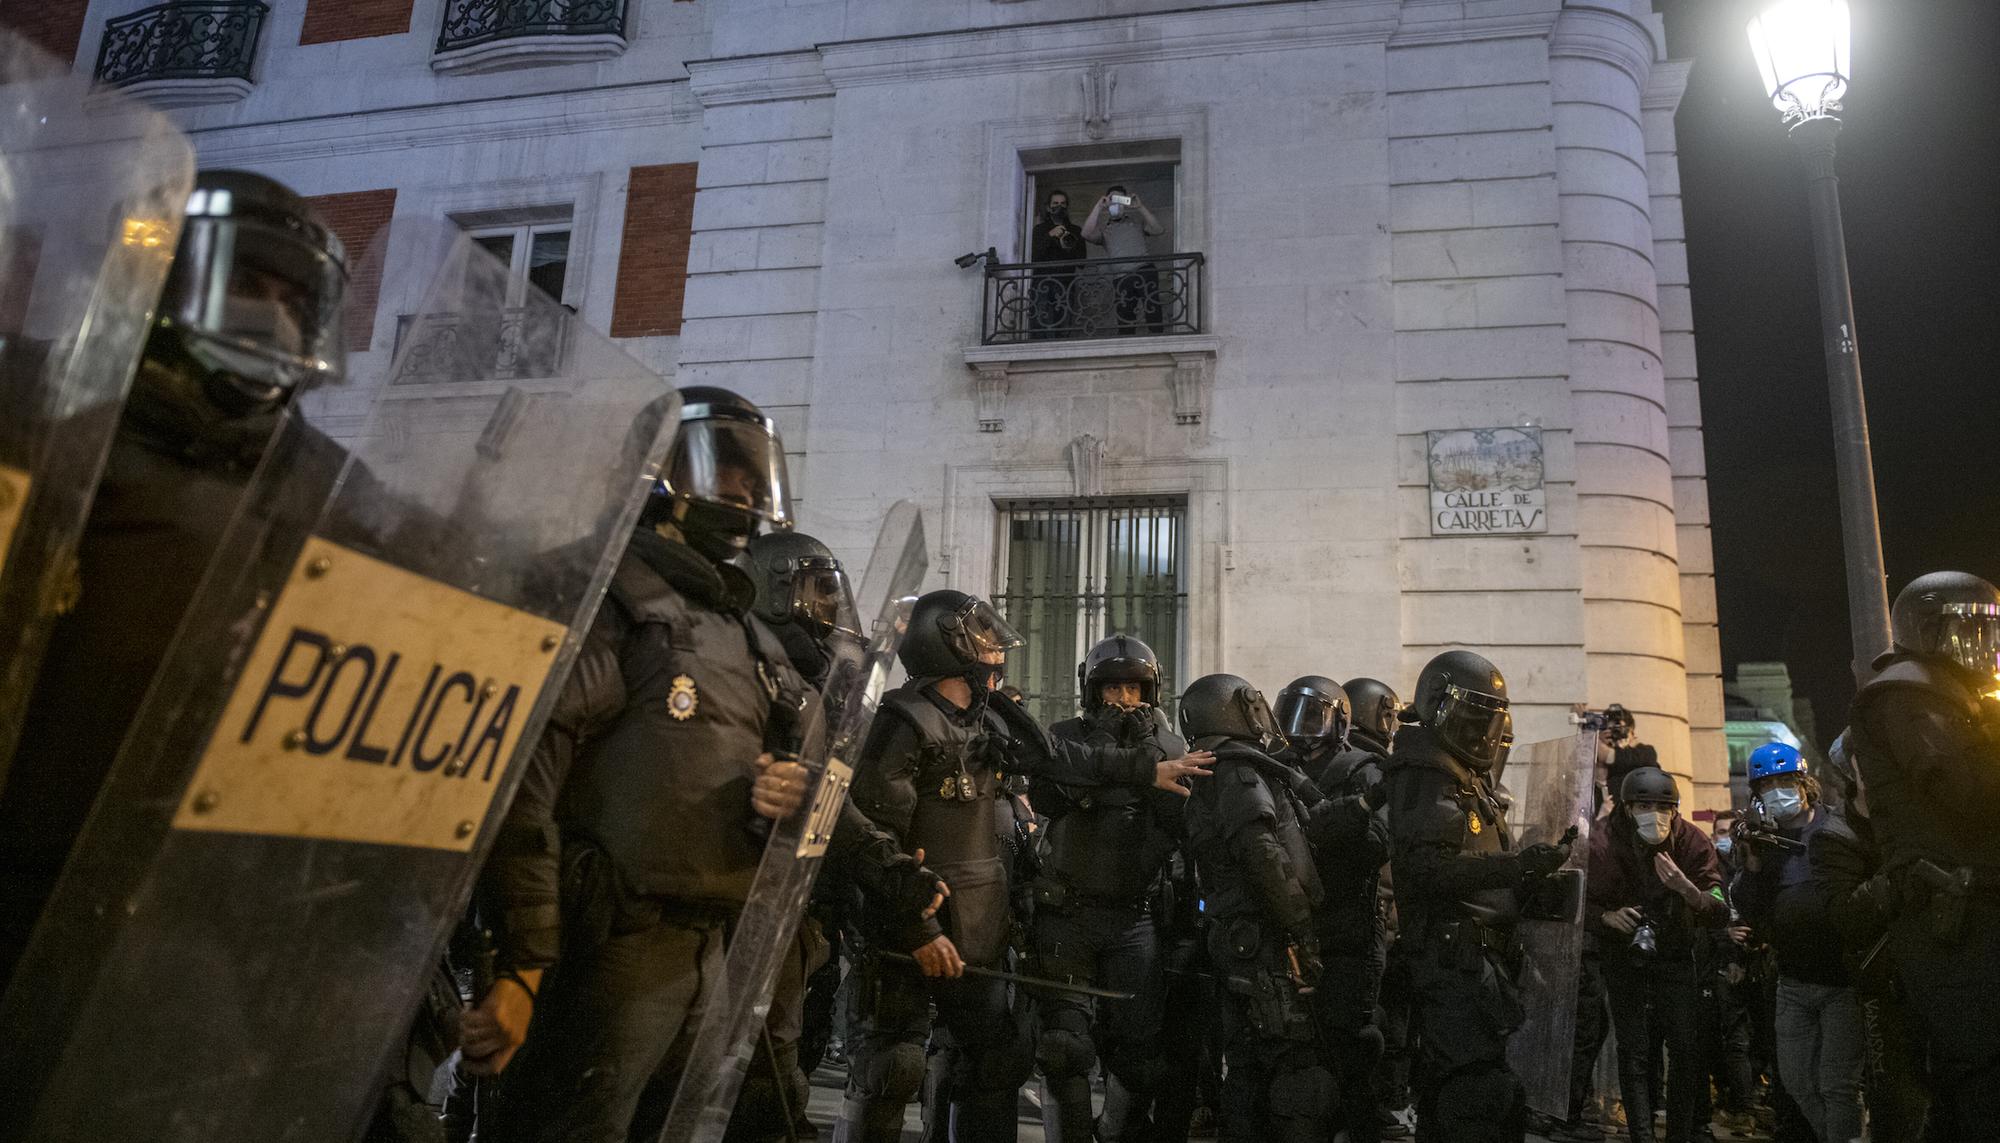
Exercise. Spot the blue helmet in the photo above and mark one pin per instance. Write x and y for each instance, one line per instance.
(1774, 759)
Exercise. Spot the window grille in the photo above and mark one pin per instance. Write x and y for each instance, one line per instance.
(1076, 570)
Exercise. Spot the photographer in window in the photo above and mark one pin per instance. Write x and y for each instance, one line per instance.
(1653, 883)
(1821, 1034)
(1121, 223)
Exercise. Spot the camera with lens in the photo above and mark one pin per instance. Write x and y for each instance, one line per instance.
(1645, 940)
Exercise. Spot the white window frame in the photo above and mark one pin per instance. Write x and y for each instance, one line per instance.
(524, 234)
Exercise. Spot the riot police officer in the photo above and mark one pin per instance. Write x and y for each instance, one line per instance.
(1925, 734)
(1106, 855)
(1373, 705)
(1313, 712)
(804, 597)
(930, 774)
(249, 318)
(631, 842)
(1459, 890)
(1247, 830)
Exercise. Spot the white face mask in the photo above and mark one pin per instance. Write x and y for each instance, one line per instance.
(1654, 825)
(1783, 803)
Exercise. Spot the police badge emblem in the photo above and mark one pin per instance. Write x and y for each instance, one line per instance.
(1472, 821)
(682, 699)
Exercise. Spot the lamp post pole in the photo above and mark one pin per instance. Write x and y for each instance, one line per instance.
(1860, 525)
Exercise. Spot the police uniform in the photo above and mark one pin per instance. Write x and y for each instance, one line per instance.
(1456, 893)
(1928, 750)
(1246, 829)
(1106, 852)
(630, 846)
(1352, 926)
(929, 775)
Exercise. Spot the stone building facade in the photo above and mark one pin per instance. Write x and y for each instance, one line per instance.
(1411, 217)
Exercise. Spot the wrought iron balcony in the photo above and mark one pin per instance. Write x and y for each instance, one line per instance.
(518, 344)
(207, 45)
(1094, 298)
(476, 23)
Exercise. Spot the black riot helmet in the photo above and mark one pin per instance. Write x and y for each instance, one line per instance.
(1227, 706)
(724, 476)
(1313, 712)
(1373, 705)
(800, 581)
(254, 296)
(1950, 615)
(1462, 698)
(1119, 659)
(1649, 784)
(952, 633)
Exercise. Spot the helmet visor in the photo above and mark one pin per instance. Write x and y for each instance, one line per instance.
(976, 632)
(252, 300)
(1475, 726)
(734, 463)
(822, 598)
(1970, 634)
(1307, 717)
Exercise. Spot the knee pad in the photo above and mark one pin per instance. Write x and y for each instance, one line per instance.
(1363, 1049)
(1002, 1065)
(1061, 1052)
(1303, 1095)
(893, 1073)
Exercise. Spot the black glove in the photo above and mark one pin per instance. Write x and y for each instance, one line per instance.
(907, 889)
(1538, 861)
(1878, 896)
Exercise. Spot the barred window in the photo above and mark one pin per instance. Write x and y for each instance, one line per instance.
(1076, 570)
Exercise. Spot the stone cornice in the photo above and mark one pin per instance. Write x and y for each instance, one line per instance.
(1451, 25)
(1110, 40)
(1607, 36)
(1668, 83)
(516, 117)
(758, 79)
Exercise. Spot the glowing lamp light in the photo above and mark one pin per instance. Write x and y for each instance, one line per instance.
(1801, 48)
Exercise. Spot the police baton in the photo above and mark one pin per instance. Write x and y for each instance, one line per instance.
(1024, 981)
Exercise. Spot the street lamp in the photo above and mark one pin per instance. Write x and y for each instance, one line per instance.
(1801, 48)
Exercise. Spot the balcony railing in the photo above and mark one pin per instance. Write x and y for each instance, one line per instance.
(473, 23)
(1100, 297)
(517, 344)
(203, 40)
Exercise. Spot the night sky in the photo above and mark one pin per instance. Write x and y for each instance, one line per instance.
(1919, 156)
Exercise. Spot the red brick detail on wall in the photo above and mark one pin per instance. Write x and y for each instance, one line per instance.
(328, 21)
(653, 254)
(54, 25)
(356, 217)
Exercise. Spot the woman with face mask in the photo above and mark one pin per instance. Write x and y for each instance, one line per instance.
(1819, 1027)
(1654, 883)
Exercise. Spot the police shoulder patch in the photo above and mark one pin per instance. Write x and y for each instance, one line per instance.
(682, 699)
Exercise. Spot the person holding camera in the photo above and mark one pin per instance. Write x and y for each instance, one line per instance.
(1653, 884)
(1056, 239)
(1821, 1032)
(1121, 223)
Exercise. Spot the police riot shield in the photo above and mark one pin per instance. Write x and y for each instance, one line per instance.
(91, 195)
(734, 1013)
(1553, 780)
(293, 824)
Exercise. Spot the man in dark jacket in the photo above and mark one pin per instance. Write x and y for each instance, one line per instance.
(929, 775)
(1460, 887)
(1926, 738)
(1653, 884)
(1102, 873)
(1313, 713)
(1056, 238)
(1820, 1034)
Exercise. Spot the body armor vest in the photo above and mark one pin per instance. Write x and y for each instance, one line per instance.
(956, 821)
(1911, 820)
(1224, 881)
(1113, 843)
(1433, 800)
(665, 788)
